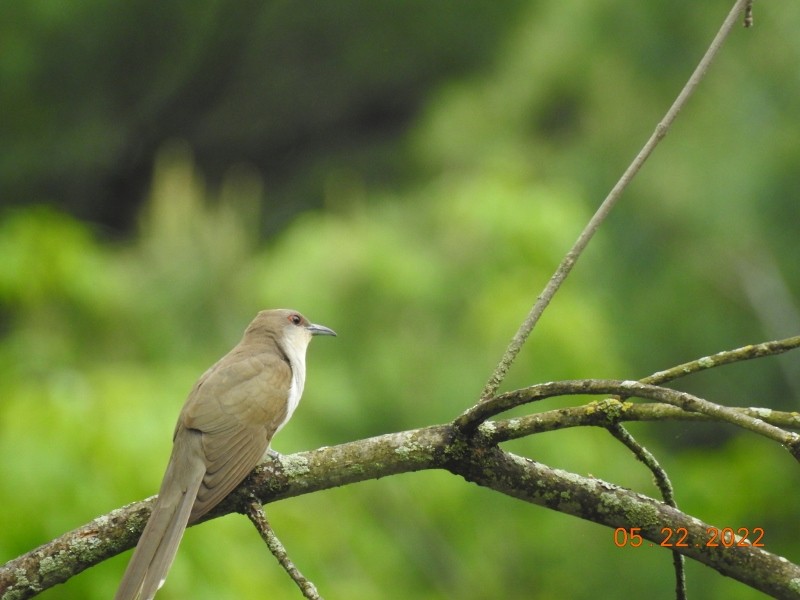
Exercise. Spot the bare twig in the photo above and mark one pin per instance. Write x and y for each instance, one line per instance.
(724, 358)
(646, 457)
(664, 486)
(255, 511)
(569, 260)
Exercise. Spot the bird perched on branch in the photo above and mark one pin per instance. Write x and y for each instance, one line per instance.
(223, 432)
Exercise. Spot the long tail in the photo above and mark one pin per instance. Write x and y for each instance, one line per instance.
(159, 542)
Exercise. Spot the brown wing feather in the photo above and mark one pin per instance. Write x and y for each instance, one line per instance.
(237, 405)
(221, 482)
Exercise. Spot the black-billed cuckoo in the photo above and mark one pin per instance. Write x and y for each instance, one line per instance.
(223, 432)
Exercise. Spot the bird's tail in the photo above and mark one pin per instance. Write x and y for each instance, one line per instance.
(159, 542)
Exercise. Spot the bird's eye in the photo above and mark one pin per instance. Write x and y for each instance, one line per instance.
(296, 319)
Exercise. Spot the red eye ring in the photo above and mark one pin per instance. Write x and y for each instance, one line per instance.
(295, 319)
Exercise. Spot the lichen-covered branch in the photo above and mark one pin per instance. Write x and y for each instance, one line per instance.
(64, 557)
(435, 447)
(613, 506)
(469, 421)
(611, 410)
(727, 357)
(283, 477)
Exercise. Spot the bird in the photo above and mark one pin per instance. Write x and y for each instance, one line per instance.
(224, 430)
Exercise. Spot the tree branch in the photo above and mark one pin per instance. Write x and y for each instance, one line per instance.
(472, 418)
(610, 410)
(435, 447)
(615, 507)
(279, 477)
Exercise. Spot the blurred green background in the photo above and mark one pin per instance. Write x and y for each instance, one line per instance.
(409, 174)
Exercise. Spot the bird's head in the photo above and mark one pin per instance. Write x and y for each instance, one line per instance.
(287, 327)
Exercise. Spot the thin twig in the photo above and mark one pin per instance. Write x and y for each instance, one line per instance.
(569, 260)
(724, 358)
(646, 457)
(255, 511)
(664, 486)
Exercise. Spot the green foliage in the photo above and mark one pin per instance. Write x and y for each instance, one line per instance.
(424, 284)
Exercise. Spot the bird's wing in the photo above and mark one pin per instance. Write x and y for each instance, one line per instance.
(237, 406)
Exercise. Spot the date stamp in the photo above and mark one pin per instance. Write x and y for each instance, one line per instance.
(678, 537)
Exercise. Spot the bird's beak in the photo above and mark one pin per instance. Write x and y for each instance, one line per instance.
(320, 330)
